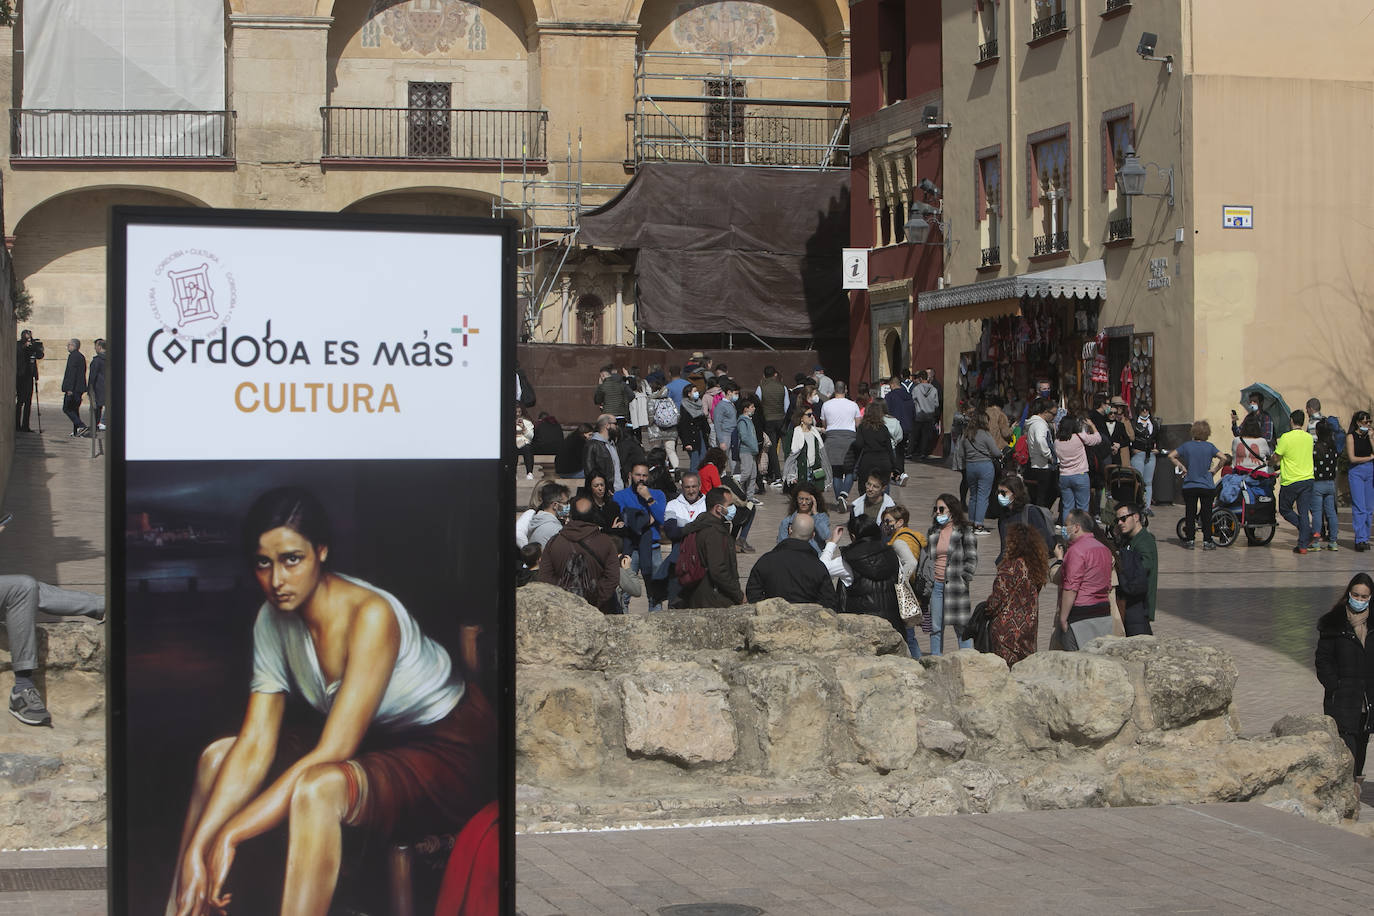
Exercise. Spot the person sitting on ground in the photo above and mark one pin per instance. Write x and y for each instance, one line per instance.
(1249, 446)
(720, 586)
(605, 512)
(530, 554)
(548, 519)
(792, 571)
(715, 464)
(548, 435)
(908, 545)
(873, 501)
(867, 569)
(807, 499)
(1013, 608)
(21, 598)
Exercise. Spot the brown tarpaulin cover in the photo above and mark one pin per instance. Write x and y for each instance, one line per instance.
(724, 248)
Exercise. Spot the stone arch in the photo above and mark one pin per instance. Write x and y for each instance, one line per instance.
(825, 20)
(59, 254)
(481, 50)
(891, 359)
(532, 10)
(424, 202)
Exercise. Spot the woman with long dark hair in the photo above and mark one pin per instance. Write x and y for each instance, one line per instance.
(355, 655)
(807, 499)
(1014, 605)
(874, 445)
(1014, 501)
(1324, 518)
(1345, 667)
(605, 513)
(1359, 452)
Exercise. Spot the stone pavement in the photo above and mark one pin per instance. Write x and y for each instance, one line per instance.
(1260, 604)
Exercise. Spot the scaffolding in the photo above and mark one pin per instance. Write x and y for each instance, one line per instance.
(764, 110)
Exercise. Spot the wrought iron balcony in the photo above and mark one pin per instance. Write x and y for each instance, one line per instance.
(992, 256)
(434, 134)
(72, 133)
(1117, 4)
(1119, 229)
(735, 138)
(1049, 244)
(1055, 22)
(987, 50)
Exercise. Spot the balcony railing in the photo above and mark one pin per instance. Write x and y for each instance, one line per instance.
(1055, 22)
(1119, 229)
(992, 256)
(434, 134)
(1117, 4)
(987, 50)
(740, 139)
(1049, 244)
(50, 133)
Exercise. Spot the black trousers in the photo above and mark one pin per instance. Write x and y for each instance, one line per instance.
(1359, 746)
(773, 429)
(1043, 485)
(71, 406)
(1197, 512)
(922, 438)
(23, 397)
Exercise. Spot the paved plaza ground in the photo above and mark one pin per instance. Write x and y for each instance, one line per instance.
(1260, 604)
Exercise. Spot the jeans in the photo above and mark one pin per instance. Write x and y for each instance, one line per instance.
(1074, 491)
(937, 622)
(1324, 507)
(21, 597)
(695, 457)
(913, 644)
(1197, 506)
(1362, 499)
(981, 474)
(1300, 492)
(1145, 464)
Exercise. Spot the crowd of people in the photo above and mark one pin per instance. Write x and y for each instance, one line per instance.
(78, 380)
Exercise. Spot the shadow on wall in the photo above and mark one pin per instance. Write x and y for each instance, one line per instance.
(821, 281)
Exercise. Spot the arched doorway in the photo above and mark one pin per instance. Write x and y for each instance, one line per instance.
(893, 359)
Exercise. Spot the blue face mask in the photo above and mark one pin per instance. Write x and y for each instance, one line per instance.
(1003, 500)
(730, 512)
(942, 519)
(1359, 606)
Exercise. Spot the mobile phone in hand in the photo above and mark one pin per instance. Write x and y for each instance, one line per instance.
(6, 519)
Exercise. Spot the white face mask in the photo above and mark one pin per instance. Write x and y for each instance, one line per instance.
(1252, 407)
(1359, 605)
(815, 399)
(1003, 500)
(942, 519)
(884, 390)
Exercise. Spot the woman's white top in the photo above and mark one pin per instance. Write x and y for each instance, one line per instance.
(422, 690)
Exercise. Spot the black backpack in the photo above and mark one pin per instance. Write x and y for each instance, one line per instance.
(578, 577)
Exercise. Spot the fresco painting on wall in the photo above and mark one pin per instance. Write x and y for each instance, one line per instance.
(731, 26)
(425, 26)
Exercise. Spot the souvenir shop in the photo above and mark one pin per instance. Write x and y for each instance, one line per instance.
(1059, 339)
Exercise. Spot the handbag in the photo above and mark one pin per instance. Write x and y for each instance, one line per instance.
(908, 605)
(979, 628)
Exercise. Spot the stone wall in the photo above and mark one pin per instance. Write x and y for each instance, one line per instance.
(774, 710)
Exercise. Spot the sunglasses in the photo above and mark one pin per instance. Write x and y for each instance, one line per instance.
(1120, 519)
(939, 509)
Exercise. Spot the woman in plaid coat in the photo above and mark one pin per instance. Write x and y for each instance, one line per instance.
(955, 551)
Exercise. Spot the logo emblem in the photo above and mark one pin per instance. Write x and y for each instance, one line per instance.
(465, 330)
(192, 294)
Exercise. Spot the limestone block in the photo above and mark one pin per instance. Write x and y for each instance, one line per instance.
(554, 627)
(803, 628)
(678, 711)
(673, 634)
(882, 701)
(1065, 785)
(982, 699)
(976, 784)
(26, 769)
(935, 795)
(876, 635)
(559, 731)
(1185, 681)
(790, 713)
(942, 738)
(66, 646)
(1080, 698)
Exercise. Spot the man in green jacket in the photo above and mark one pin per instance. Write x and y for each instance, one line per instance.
(1137, 610)
(612, 395)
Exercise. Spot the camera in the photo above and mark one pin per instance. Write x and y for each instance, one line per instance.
(35, 348)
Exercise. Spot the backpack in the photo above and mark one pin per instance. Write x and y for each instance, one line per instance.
(690, 569)
(1021, 451)
(1131, 574)
(1339, 434)
(577, 577)
(665, 413)
(923, 580)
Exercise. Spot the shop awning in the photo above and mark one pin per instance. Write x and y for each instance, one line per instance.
(1072, 281)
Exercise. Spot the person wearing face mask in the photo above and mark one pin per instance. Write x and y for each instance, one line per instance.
(1144, 452)
(720, 586)
(1013, 608)
(693, 427)
(548, 519)
(1017, 509)
(804, 454)
(727, 419)
(1359, 451)
(908, 545)
(1345, 667)
(1254, 408)
(955, 561)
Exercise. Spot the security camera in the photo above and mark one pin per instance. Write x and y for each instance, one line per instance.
(925, 184)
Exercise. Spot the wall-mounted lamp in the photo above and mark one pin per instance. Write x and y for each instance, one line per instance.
(930, 120)
(923, 218)
(1131, 177)
(1146, 50)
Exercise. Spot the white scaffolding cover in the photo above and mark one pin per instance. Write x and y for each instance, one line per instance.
(123, 55)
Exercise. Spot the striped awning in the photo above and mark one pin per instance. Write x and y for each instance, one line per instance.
(1072, 281)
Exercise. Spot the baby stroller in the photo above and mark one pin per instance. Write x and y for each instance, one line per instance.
(1245, 500)
(1125, 485)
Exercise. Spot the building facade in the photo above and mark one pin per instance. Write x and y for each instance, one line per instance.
(518, 108)
(1241, 261)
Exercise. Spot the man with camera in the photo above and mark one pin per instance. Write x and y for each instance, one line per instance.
(27, 354)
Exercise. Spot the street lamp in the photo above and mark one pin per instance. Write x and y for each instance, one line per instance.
(1131, 177)
(918, 225)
